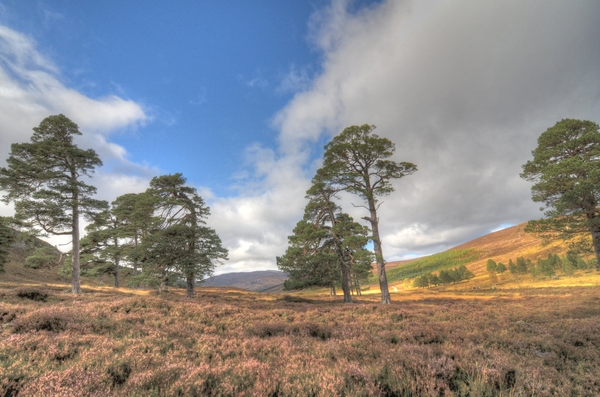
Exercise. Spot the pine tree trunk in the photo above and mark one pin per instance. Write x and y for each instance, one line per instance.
(596, 242)
(117, 272)
(383, 283)
(346, 282)
(163, 282)
(190, 285)
(76, 281)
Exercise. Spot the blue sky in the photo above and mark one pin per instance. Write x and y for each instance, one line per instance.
(210, 75)
(241, 96)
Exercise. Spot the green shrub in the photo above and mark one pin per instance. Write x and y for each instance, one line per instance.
(44, 257)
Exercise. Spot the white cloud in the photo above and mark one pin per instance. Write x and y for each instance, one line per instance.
(463, 88)
(31, 90)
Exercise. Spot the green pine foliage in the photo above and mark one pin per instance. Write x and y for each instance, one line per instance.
(491, 266)
(45, 179)
(521, 266)
(546, 267)
(512, 268)
(358, 161)
(445, 277)
(44, 257)
(566, 178)
(568, 269)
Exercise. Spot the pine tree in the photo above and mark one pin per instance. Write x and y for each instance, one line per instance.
(565, 171)
(445, 277)
(45, 180)
(325, 238)
(181, 244)
(491, 267)
(500, 268)
(464, 273)
(104, 243)
(137, 220)
(356, 161)
(546, 267)
(521, 265)
(568, 269)
(512, 268)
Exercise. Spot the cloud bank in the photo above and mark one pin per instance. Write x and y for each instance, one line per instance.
(31, 90)
(463, 88)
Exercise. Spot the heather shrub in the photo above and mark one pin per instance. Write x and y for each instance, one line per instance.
(542, 342)
(295, 299)
(11, 384)
(397, 317)
(268, 330)
(119, 372)
(32, 294)
(314, 330)
(41, 321)
(6, 316)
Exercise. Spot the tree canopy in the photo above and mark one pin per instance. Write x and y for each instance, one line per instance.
(45, 179)
(327, 245)
(357, 161)
(565, 172)
(180, 242)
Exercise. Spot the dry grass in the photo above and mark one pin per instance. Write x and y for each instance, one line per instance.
(530, 341)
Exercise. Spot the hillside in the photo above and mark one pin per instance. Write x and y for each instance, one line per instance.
(259, 281)
(510, 243)
(17, 273)
(502, 245)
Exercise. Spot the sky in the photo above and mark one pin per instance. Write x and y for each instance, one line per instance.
(240, 97)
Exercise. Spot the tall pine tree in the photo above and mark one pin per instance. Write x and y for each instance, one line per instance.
(45, 179)
(357, 161)
(565, 171)
(181, 243)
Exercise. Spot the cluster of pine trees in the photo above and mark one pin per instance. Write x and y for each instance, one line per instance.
(444, 277)
(328, 246)
(548, 267)
(160, 234)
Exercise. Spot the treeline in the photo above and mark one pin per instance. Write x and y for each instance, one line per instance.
(160, 235)
(444, 277)
(553, 263)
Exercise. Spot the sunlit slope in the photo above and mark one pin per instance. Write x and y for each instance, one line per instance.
(507, 244)
(500, 246)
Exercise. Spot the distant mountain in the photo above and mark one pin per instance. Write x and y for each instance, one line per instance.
(259, 281)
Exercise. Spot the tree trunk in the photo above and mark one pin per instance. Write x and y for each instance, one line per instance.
(163, 282)
(596, 242)
(116, 272)
(76, 281)
(190, 285)
(346, 281)
(383, 283)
